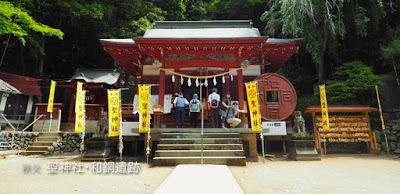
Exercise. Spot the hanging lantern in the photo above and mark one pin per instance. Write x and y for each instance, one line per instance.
(189, 82)
(181, 80)
(223, 79)
(231, 77)
(206, 83)
(173, 78)
(215, 81)
(197, 82)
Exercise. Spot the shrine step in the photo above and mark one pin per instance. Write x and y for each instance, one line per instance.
(200, 140)
(198, 135)
(198, 146)
(38, 148)
(227, 160)
(48, 138)
(189, 153)
(4, 145)
(27, 153)
(308, 158)
(42, 144)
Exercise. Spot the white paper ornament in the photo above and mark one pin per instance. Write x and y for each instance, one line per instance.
(197, 82)
(215, 81)
(223, 79)
(231, 77)
(189, 82)
(206, 83)
(181, 80)
(173, 78)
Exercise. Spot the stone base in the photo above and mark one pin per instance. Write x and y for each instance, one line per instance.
(303, 150)
(100, 148)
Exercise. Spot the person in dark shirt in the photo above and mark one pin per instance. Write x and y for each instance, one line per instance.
(225, 104)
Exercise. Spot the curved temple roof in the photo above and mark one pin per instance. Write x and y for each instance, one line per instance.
(171, 38)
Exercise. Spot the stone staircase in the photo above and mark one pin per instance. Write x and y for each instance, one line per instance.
(169, 121)
(185, 148)
(4, 145)
(42, 144)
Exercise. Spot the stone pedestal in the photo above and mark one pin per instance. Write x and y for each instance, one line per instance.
(100, 148)
(303, 150)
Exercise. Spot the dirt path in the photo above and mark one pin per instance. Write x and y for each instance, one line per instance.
(336, 174)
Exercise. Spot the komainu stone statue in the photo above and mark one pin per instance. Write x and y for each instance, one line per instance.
(299, 123)
(102, 124)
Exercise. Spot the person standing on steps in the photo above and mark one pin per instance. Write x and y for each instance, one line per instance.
(213, 101)
(225, 104)
(179, 103)
(194, 110)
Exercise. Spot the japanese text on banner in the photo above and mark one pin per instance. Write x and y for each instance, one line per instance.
(114, 112)
(79, 108)
(252, 99)
(51, 96)
(144, 108)
(324, 108)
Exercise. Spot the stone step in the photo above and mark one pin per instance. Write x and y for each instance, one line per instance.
(199, 140)
(50, 134)
(37, 148)
(198, 146)
(223, 160)
(48, 138)
(316, 158)
(43, 143)
(198, 135)
(26, 153)
(187, 153)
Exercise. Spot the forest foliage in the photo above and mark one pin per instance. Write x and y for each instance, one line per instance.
(51, 39)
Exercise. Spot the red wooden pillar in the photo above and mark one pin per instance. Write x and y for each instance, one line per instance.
(240, 87)
(161, 90)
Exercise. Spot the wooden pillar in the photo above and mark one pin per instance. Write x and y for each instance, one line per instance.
(29, 109)
(71, 116)
(240, 88)
(161, 90)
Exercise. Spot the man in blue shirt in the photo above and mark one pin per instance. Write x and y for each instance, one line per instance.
(179, 103)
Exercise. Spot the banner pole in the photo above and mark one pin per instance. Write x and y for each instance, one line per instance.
(261, 131)
(383, 122)
(51, 118)
(121, 143)
(202, 122)
(82, 148)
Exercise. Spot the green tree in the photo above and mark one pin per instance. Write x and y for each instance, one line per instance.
(353, 83)
(17, 22)
(321, 24)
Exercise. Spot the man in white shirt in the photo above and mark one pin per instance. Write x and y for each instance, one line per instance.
(213, 101)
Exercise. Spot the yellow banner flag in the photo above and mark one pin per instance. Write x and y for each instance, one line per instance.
(380, 108)
(252, 99)
(324, 108)
(114, 112)
(79, 108)
(51, 96)
(144, 108)
(78, 89)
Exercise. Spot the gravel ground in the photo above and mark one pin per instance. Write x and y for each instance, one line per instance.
(14, 180)
(336, 174)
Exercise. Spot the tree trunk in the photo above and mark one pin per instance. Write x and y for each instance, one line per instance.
(41, 60)
(321, 64)
(21, 60)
